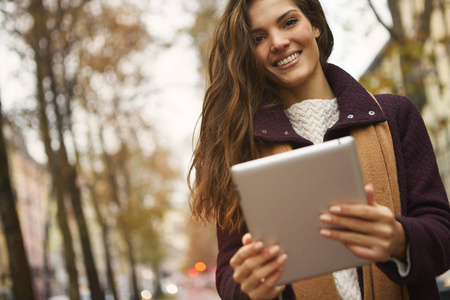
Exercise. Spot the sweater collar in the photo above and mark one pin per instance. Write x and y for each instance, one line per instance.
(356, 108)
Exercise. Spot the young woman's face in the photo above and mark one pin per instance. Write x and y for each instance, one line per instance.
(285, 42)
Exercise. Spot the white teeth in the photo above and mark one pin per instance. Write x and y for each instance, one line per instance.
(287, 59)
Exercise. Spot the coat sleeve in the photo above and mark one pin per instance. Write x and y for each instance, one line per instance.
(228, 244)
(425, 207)
(227, 288)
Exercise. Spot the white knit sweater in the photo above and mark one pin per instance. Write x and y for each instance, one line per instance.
(311, 119)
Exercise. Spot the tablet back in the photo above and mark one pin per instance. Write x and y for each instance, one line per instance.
(282, 196)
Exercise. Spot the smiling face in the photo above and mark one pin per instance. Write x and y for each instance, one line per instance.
(285, 44)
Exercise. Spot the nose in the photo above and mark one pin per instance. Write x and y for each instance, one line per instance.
(279, 42)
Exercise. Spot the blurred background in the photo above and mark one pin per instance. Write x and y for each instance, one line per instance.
(99, 101)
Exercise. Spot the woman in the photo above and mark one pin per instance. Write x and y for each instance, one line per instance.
(269, 77)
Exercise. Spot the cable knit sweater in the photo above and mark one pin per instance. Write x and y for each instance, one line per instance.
(311, 119)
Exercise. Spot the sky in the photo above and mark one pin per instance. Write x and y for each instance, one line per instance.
(175, 106)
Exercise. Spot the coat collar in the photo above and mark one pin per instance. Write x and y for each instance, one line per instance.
(356, 108)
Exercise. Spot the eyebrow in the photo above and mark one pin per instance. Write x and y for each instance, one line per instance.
(279, 19)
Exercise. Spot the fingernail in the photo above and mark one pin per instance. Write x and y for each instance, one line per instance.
(274, 249)
(326, 218)
(325, 232)
(258, 245)
(282, 258)
(335, 209)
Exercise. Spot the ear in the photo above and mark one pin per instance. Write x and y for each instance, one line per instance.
(317, 32)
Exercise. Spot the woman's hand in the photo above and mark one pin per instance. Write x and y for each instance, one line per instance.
(370, 231)
(258, 268)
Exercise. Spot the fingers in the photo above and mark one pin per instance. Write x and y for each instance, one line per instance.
(362, 245)
(266, 275)
(258, 269)
(368, 218)
(369, 230)
(380, 228)
(362, 211)
(266, 289)
(245, 252)
(366, 253)
(251, 266)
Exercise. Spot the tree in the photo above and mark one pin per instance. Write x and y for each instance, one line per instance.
(146, 189)
(60, 35)
(41, 38)
(205, 19)
(409, 42)
(18, 262)
(88, 56)
(95, 197)
(118, 185)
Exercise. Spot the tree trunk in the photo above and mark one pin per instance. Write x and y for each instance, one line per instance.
(91, 270)
(47, 272)
(69, 253)
(411, 49)
(109, 269)
(443, 11)
(158, 287)
(66, 173)
(3, 270)
(18, 262)
(134, 283)
(71, 186)
(397, 31)
(128, 239)
(105, 234)
(57, 182)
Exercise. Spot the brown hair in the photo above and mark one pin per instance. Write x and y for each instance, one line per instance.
(237, 86)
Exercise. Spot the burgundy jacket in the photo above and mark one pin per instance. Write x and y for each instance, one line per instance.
(425, 207)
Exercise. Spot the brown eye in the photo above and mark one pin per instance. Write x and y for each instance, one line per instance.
(258, 39)
(290, 22)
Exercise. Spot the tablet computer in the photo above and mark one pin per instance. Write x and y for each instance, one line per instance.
(283, 195)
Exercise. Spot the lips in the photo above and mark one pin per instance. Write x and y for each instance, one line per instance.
(288, 59)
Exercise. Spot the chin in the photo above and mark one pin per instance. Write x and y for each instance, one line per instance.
(288, 83)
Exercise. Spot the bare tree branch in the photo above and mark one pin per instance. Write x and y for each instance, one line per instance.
(377, 15)
(425, 20)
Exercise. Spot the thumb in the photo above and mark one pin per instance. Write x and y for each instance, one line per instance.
(247, 238)
(370, 194)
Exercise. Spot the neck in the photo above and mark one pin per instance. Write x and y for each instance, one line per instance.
(317, 87)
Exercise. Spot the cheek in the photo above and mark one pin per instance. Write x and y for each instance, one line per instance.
(260, 56)
(316, 49)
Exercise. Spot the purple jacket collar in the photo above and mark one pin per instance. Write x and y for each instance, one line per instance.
(356, 108)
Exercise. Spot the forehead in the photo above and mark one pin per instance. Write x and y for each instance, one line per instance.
(265, 10)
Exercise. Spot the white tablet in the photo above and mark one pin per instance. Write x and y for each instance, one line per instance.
(283, 195)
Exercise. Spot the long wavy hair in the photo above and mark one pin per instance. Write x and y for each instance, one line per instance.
(235, 93)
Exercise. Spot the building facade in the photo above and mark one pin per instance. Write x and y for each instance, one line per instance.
(30, 185)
